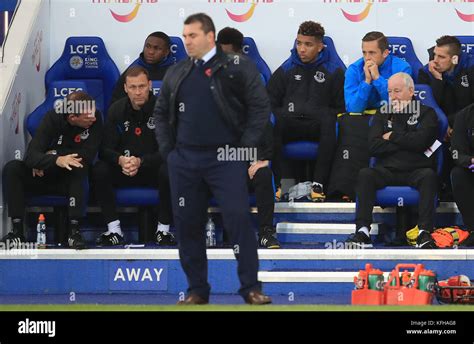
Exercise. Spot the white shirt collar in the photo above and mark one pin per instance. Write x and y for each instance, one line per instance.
(209, 55)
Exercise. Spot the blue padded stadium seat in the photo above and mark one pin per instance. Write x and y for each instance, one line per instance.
(86, 59)
(333, 55)
(137, 196)
(57, 91)
(301, 150)
(308, 150)
(402, 47)
(467, 44)
(391, 195)
(177, 49)
(156, 87)
(250, 49)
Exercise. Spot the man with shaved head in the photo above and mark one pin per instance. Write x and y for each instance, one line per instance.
(399, 137)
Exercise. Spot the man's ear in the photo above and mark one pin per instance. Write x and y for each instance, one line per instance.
(385, 53)
(150, 85)
(455, 59)
(320, 46)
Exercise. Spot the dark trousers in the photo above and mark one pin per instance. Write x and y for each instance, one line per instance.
(370, 180)
(192, 173)
(19, 181)
(262, 185)
(462, 181)
(321, 129)
(107, 177)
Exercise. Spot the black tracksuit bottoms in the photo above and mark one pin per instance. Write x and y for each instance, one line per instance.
(425, 180)
(19, 182)
(262, 185)
(321, 129)
(107, 177)
(462, 180)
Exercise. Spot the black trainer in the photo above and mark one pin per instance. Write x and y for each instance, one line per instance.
(360, 239)
(165, 239)
(13, 240)
(267, 239)
(425, 241)
(76, 241)
(317, 194)
(109, 239)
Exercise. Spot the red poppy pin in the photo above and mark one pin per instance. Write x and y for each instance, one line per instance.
(77, 139)
(138, 131)
(208, 72)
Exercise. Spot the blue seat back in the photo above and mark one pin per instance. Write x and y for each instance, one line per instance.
(402, 47)
(467, 44)
(58, 90)
(391, 195)
(85, 58)
(156, 87)
(177, 49)
(424, 94)
(333, 55)
(250, 49)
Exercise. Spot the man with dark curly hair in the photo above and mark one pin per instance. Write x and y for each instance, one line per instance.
(306, 94)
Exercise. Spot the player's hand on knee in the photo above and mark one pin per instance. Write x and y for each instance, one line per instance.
(69, 161)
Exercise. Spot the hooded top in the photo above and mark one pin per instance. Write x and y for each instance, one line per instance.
(456, 90)
(307, 90)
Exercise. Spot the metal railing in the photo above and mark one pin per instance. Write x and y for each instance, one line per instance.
(2, 44)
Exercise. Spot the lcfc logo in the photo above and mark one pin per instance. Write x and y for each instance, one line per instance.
(76, 62)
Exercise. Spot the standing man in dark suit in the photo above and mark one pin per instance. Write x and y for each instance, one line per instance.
(210, 105)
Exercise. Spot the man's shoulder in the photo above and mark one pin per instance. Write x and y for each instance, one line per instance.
(238, 60)
(179, 65)
(357, 66)
(117, 108)
(53, 117)
(427, 111)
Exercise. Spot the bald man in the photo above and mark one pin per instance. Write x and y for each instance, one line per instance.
(401, 132)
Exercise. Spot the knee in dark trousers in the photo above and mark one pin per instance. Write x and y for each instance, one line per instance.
(366, 177)
(430, 178)
(263, 174)
(460, 176)
(100, 171)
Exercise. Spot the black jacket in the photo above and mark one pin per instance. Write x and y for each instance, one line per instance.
(130, 132)
(410, 138)
(456, 90)
(462, 141)
(304, 90)
(56, 134)
(238, 92)
(156, 71)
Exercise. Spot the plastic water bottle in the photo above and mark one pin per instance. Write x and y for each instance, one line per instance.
(41, 232)
(210, 233)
